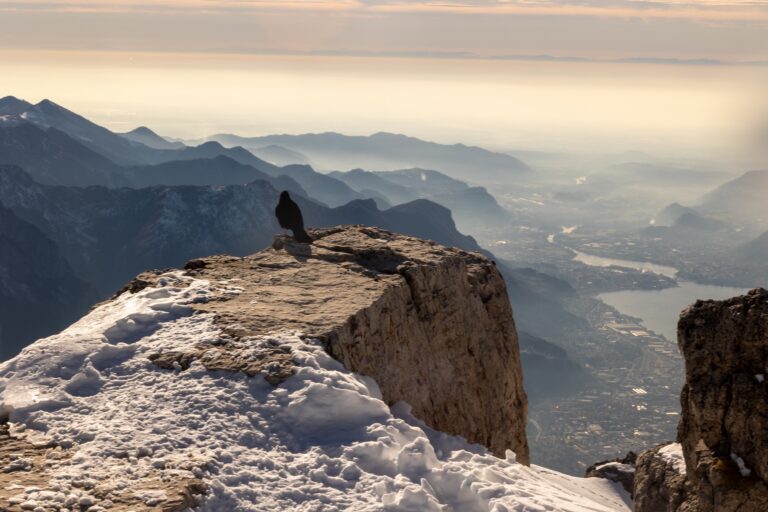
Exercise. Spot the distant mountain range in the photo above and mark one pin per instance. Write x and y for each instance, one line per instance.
(388, 151)
(471, 206)
(737, 204)
(56, 147)
(731, 222)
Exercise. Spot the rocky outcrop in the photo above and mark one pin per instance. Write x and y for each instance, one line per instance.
(724, 423)
(660, 483)
(431, 325)
(621, 471)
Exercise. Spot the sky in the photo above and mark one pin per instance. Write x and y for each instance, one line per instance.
(539, 74)
(694, 29)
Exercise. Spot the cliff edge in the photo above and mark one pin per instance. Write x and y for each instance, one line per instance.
(431, 325)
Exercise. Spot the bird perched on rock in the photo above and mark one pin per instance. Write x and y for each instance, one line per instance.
(289, 216)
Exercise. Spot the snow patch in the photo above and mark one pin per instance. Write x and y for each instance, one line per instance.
(616, 466)
(743, 469)
(673, 453)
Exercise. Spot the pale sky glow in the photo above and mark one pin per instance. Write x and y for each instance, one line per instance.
(452, 71)
(715, 9)
(500, 104)
(733, 31)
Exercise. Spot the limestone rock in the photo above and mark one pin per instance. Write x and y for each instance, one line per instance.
(723, 428)
(724, 425)
(621, 471)
(660, 482)
(431, 325)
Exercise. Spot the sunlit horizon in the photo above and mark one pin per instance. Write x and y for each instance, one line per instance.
(546, 106)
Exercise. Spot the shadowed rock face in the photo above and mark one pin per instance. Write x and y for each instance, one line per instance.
(621, 471)
(724, 406)
(431, 325)
(723, 429)
(660, 484)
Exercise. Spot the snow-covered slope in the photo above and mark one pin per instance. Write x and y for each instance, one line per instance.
(133, 435)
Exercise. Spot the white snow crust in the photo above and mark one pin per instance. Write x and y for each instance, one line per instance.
(673, 453)
(321, 441)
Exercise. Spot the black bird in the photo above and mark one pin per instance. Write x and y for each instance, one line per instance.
(289, 216)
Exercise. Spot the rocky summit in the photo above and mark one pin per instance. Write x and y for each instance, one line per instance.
(431, 325)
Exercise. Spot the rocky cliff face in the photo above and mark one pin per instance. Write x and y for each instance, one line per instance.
(431, 325)
(724, 424)
(660, 483)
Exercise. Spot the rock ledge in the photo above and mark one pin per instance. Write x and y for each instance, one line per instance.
(431, 325)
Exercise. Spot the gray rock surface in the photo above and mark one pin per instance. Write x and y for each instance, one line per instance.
(431, 325)
(724, 408)
(621, 471)
(723, 428)
(661, 484)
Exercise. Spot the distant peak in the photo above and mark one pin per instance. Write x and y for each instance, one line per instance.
(46, 103)
(391, 135)
(50, 107)
(211, 144)
(12, 99)
(142, 130)
(11, 105)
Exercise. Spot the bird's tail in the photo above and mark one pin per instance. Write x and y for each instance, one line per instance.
(302, 237)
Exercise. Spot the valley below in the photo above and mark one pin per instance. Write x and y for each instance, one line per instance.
(627, 344)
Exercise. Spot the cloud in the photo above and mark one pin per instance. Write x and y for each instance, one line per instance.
(742, 10)
(739, 10)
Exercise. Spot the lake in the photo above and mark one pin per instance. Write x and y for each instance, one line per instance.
(599, 261)
(659, 309)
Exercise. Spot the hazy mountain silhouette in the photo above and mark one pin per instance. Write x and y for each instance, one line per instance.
(470, 205)
(119, 149)
(212, 150)
(692, 221)
(541, 361)
(387, 151)
(279, 155)
(754, 252)
(12, 106)
(48, 114)
(145, 136)
(671, 213)
(742, 200)
(220, 170)
(54, 158)
(323, 187)
(38, 289)
(360, 179)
